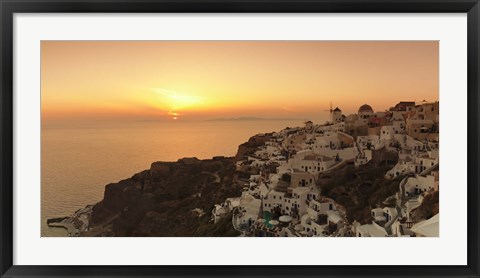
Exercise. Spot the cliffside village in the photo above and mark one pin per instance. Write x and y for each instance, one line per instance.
(285, 200)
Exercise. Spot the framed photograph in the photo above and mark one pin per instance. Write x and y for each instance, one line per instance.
(243, 138)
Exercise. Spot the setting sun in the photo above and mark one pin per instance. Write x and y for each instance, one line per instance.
(174, 101)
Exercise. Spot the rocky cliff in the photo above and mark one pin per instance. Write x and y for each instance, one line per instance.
(165, 200)
(249, 147)
(360, 189)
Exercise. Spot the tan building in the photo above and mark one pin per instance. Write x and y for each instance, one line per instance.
(419, 129)
(405, 106)
(294, 142)
(428, 111)
(302, 179)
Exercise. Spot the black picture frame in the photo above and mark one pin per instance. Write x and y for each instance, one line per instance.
(10, 7)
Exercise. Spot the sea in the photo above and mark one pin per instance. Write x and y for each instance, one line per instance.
(79, 160)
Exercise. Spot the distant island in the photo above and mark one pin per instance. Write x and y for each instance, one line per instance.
(368, 174)
(250, 119)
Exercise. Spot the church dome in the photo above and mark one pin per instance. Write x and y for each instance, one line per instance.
(365, 108)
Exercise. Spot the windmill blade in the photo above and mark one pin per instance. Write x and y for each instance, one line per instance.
(331, 108)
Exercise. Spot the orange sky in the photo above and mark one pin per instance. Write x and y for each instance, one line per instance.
(215, 79)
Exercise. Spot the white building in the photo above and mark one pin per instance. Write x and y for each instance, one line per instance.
(390, 213)
(313, 163)
(386, 133)
(249, 208)
(419, 184)
(218, 212)
(369, 230)
(427, 228)
(378, 214)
